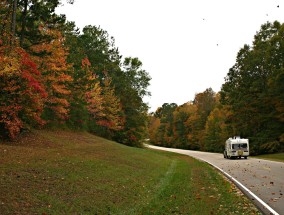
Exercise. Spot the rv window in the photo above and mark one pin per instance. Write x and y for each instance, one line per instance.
(235, 146)
(244, 145)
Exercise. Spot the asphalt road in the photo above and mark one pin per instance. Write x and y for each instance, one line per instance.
(261, 180)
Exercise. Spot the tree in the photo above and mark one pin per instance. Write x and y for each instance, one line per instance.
(5, 22)
(110, 116)
(249, 87)
(217, 129)
(100, 50)
(180, 131)
(32, 14)
(165, 114)
(154, 124)
(22, 93)
(54, 69)
(130, 87)
(86, 99)
(205, 103)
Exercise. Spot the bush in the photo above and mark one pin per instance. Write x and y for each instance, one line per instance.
(270, 147)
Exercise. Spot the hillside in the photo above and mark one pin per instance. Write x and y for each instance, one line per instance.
(63, 172)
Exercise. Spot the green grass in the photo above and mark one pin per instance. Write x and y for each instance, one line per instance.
(272, 157)
(49, 172)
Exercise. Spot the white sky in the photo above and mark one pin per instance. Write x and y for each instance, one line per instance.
(177, 40)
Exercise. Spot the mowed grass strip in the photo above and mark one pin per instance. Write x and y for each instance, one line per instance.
(50, 172)
(273, 157)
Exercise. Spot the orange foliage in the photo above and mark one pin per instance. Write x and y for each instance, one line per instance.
(94, 100)
(55, 70)
(103, 106)
(111, 108)
(91, 88)
(22, 93)
(153, 128)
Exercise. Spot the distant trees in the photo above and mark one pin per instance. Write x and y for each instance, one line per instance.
(53, 75)
(254, 89)
(183, 126)
(250, 104)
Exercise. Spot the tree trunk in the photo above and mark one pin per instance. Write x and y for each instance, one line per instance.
(14, 11)
(24, 23)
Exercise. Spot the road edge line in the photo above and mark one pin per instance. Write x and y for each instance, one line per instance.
(240, 185)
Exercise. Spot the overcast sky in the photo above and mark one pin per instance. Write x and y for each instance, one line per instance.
(186, 46)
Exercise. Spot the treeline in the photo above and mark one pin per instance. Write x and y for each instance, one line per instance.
(250, 103)
(52, 75)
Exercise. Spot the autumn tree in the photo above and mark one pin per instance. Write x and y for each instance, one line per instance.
(51, 58)
(204, 103)
(104, 107)
(72, 72)
(100, 49)
(110, 118)
(253, 89)
(184, 126)
(180, 130)
(165, 114)
(22, 93)
(218, 127)
(86, 98)
(192, 125)
(131, 84)
(153, 126)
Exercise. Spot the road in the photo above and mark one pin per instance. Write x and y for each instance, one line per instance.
(261, 180)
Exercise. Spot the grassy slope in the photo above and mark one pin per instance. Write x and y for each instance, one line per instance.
(273, 157)
(78, 173)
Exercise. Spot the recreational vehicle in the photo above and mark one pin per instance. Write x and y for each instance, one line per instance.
(236, 147)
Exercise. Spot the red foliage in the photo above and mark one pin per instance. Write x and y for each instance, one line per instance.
(85, 62)
(22, 92)
(31, 74)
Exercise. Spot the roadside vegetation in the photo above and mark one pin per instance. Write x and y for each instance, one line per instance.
(54, 75)
(63, 172)
(273, 157)
(250, 103)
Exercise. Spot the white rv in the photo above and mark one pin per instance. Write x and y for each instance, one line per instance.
(236, 148)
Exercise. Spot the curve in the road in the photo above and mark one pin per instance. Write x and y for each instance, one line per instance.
(263, 207)
(244, 188)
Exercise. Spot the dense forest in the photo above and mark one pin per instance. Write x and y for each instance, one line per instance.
(52, 75)
(250, 103)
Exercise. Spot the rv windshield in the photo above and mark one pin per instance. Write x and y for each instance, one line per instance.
(239, 146)
(235, 146)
